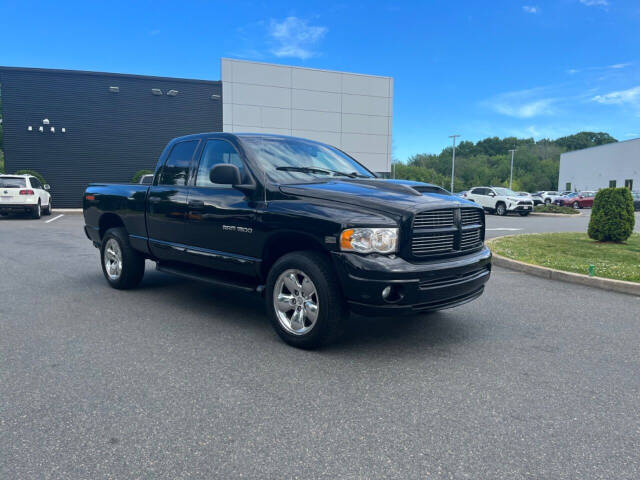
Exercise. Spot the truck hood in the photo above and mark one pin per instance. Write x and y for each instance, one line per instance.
(390, 196)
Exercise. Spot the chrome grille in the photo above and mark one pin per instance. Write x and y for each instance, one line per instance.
(432, 219)
(432, 244)
(470, 239)
(452, 232)
(471, 216)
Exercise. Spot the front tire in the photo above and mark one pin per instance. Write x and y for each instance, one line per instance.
(305, 305)
(547, 201)
(501, 209)
(123, 267)
(523, 214)
(576, 205)
(47, 211)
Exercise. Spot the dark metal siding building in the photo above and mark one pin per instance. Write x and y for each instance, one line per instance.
(114, 124)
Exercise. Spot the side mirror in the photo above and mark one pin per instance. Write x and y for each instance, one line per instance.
(491, 194)
(46, 187)
(225, 174)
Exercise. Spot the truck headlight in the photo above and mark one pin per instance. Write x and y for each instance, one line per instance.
(368, 240)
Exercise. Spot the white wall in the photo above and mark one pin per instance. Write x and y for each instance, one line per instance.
(593, 168)
(350, 111)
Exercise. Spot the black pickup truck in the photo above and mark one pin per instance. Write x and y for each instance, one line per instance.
(297, 221)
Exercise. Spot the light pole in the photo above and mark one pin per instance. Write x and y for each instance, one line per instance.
(511, 175)
(453, 159)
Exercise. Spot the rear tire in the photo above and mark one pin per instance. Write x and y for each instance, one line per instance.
(547, 201)
(123, 267)
(314, 330)
(37, 211)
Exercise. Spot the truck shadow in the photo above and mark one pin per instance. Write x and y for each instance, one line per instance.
(246, 313)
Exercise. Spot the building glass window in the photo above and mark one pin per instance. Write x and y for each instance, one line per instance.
(629, 183)
(567, 186)
(612, 184)
(176, 168)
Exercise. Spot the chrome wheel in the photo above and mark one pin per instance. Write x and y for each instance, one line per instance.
(112, 259)
(296, 302)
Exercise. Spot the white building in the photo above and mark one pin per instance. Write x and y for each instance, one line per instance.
(350, 111)
(610, 165)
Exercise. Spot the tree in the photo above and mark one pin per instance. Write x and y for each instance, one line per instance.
(488, 162)
(612, 215)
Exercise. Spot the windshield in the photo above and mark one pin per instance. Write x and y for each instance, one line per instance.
(12, 182)
(292, 160)
(505, 192)
(570, 195)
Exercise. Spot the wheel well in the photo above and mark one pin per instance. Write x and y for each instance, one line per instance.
(282, 244)
(500, 202)
(109, 220)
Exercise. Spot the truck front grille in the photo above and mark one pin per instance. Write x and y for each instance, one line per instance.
(471, 216)
(447, 232)
(432, 244)
(435, 218)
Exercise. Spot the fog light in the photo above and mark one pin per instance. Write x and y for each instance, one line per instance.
(386, 291)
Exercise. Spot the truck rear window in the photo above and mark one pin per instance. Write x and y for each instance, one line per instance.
(12, 182)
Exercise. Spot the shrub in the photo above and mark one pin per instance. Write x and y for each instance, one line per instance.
(612, 217)
(555, 209)
(32, 172)
(140, 173)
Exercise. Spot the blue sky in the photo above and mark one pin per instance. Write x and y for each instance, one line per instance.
(477, 68)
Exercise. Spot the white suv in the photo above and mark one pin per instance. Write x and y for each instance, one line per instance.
(24, 194)
(500, 200)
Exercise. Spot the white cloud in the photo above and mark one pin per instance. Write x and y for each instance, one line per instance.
(595, 3)
(531, 9)
(294, 37)
(621, 97)
(619, 65)
(522, 104)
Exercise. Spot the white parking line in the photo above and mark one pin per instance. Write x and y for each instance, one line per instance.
(504, 229)
(54, 218)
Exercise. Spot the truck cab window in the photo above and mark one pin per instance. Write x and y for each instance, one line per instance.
(176, 168)
(214, 153)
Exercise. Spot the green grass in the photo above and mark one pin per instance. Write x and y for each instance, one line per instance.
(555, 209)
(573, 252)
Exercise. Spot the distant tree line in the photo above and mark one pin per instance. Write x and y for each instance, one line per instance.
(488, 161)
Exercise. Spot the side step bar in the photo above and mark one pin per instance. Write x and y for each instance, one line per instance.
(204, 275)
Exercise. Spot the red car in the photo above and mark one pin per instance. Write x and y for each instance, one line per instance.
(580, 200)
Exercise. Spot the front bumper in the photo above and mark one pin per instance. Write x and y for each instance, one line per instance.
(420, 287)
(520, 208)
(17, 207)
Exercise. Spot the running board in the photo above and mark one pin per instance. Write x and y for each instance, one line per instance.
(211, 277)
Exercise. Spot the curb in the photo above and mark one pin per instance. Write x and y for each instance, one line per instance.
(620, 286)
(545, 214)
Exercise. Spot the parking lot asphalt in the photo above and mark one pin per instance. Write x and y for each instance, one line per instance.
(536, 379)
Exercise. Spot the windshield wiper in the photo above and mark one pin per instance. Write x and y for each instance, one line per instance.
(303, 169)
(318, 170)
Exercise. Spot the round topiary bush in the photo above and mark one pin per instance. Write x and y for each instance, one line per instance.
(140, 173)
(33, 173)
(612, 218)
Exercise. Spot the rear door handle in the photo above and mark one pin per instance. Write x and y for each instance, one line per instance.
(196, 204)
